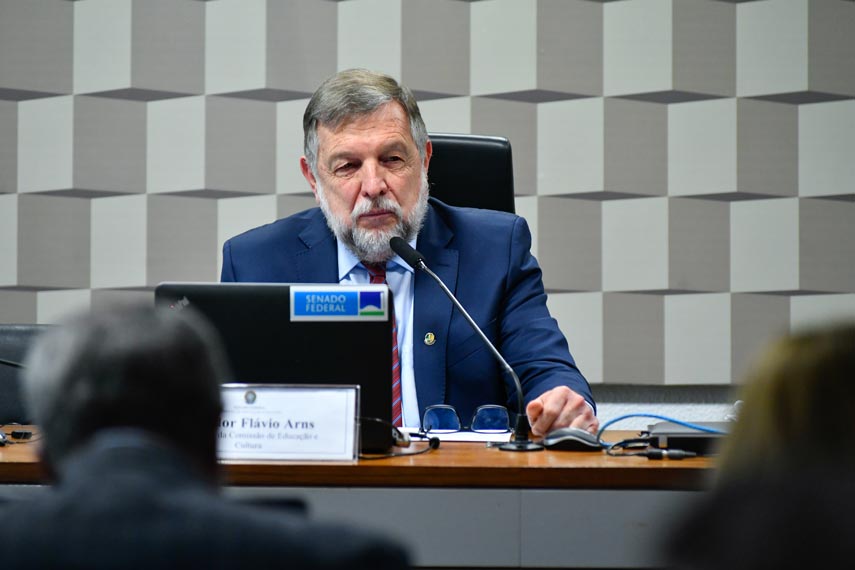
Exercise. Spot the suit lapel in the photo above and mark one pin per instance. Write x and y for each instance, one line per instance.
(318, 262)
(432, 310)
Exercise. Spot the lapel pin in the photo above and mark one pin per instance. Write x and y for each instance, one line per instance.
(430, 338)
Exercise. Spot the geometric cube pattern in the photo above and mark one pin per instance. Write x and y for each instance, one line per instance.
(687, 166)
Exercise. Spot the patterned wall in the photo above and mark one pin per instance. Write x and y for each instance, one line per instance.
(687, 166)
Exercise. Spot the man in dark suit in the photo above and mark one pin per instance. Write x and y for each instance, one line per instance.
(129, 404)
(366, 160)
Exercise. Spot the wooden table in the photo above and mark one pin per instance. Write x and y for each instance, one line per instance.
(455, 464)
(469, 505)
(475, 465)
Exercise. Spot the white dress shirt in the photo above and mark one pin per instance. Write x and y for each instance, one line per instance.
(399, 277)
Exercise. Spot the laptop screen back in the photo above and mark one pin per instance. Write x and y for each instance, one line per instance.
(302, 334)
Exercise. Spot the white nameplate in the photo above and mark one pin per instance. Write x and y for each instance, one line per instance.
(288, 422)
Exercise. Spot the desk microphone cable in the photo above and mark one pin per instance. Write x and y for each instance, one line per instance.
(646, 451)
(644, 442)
(402, 439)
(19, 436)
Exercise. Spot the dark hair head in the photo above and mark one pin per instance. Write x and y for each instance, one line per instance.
(355, 93)
(140, 367)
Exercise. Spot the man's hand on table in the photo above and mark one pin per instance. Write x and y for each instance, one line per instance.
(560, 407)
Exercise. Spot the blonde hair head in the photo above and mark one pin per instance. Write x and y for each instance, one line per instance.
(798, 404)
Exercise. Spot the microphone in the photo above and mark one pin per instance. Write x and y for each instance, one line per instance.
(520, 440)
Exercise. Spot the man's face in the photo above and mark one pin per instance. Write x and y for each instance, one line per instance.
(371, 182)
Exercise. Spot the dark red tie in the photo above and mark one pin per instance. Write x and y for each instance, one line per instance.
(377, 272)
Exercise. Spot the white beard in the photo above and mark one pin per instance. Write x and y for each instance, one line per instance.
(373, 245)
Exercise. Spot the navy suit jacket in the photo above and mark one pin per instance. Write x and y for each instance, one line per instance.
(484, 258)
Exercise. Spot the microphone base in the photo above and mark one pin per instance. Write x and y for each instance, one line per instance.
(525, 445)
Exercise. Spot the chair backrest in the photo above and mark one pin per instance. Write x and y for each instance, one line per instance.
(14, 342)
(472, 170)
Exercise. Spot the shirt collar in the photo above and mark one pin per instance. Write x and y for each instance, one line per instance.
(347, 261)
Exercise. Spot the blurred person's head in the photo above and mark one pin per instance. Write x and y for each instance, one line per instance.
(786, 487)
(154, 370)
(798, 404)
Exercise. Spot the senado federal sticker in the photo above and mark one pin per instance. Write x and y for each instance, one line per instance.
(339, 303)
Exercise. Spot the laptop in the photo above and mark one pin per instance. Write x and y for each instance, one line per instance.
(303, 334)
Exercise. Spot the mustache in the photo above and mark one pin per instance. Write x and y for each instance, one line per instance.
(379, 203)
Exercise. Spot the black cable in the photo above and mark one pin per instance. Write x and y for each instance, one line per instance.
(29, 441)
(401, 440)
(647, 451)
(18, 436)
(11, 363)
(433, 443)
(10, 441)
(21, 434)
(651, 452)
(668, 454)
(689, 425)
(632, 443)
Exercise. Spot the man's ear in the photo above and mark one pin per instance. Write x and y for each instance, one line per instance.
(428, 154)
(309, 176)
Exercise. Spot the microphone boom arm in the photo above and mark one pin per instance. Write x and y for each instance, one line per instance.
(520, 441)
(477, 329)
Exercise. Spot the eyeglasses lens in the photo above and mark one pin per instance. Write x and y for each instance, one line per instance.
(441, 419)
(491, 419)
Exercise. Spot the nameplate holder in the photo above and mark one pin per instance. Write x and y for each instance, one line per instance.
(288, 422)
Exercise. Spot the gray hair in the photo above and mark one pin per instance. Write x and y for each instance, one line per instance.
(353, 93)
(152, 369)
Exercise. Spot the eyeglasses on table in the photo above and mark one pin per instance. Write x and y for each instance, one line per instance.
(489, 418)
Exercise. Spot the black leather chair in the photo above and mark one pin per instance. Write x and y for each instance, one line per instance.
(14, 342)
(472, 170)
